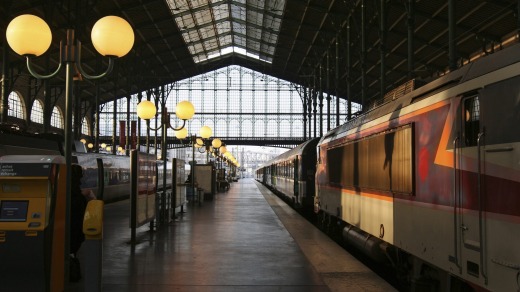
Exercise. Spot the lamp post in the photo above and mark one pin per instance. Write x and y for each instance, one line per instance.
(30, 36)
(205, 133)
(184, 111)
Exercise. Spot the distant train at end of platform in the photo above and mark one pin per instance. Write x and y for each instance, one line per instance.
(291, 174)
(428, 181)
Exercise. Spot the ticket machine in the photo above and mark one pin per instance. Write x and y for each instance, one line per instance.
(32, 223)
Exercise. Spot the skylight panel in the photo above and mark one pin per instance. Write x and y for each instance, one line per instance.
(221, 11)
(213, 28)
(207, 32)
(225, 40)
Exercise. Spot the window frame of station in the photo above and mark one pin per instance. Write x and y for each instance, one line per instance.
(332, 168)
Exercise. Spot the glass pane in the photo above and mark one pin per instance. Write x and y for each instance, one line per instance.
(15, 106)
(37, 112)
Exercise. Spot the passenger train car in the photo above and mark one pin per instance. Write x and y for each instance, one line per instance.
(107, 175)
(430, 178)
(292, 174)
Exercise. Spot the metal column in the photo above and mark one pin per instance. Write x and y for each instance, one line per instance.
(337, 80)
(349, 71)
(96, 135)
(114, 125)
(452, 34)
(320, 96)
(305, 114)
(127, 142)
(411, 28)
(5, 79)
(363, 55)
(328, 93)
(382, 48)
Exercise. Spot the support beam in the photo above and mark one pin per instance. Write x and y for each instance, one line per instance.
(304, 113)
(452, 35)
(96, 135)
(411, 47)
(320, 96)
(128, 122)
(5, 80)
(328, 92)
(382, 47)
(349, 72)
(114, 125)
(337, 80)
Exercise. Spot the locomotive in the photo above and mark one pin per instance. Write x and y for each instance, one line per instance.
(428, 179)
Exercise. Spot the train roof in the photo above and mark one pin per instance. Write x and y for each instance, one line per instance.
(18, 143)
(413, 91)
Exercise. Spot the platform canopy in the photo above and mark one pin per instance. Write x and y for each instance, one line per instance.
(309, 42)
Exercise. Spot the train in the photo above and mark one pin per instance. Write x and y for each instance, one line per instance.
(427, 181)
(107, 175)
(291, 174)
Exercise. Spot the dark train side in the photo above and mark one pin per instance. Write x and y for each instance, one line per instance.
(291, 174)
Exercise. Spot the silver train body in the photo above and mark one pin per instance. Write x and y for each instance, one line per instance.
(108, 176)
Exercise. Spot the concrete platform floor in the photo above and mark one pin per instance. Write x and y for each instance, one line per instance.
(246, 239)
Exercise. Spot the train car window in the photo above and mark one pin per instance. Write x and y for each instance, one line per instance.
(471, 120)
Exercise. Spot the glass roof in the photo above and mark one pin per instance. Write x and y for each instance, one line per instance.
(214, 28)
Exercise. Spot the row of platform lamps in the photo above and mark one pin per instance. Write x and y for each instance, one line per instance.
(184, 110)
(113, 37)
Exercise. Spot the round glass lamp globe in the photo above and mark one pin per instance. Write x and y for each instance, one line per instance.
(182, 133)
(205, 132)
(112, 36)
(28, 35)
(222, 149)
(90, 145)
(216, 143)
(184, 110)
(109, 148)
(103, 145)
(146, 110)
(199, 143)
(119, 148)
(82, 140)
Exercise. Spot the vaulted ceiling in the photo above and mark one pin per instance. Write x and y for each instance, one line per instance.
(314, 43)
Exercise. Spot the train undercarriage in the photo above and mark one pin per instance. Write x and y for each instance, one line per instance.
(403, 270)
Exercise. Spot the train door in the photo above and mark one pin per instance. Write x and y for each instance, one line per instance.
(273, 175)
(296, 179)
(470, 172)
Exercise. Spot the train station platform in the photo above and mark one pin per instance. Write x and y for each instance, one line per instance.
(246, 239)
